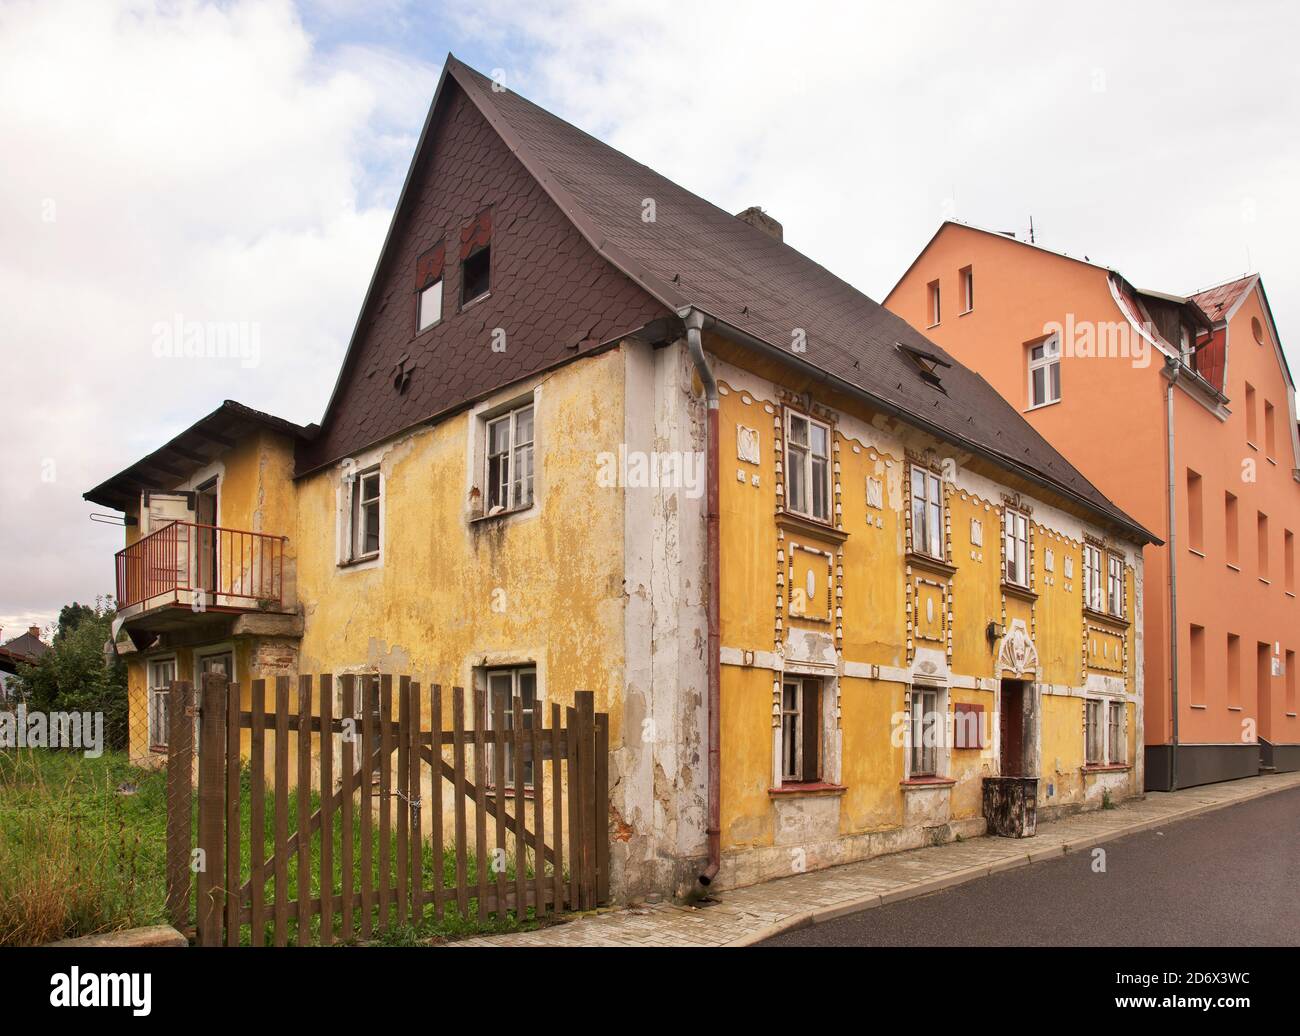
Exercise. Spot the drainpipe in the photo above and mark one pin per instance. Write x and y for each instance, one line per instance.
(694, 320)
(1171, 372)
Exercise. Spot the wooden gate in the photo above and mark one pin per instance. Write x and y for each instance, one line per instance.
(406, 810)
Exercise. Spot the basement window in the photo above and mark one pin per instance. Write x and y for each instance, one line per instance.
(476, 273)
(801, 731)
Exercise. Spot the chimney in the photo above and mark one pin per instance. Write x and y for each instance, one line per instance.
(756, 217)
(35, 631)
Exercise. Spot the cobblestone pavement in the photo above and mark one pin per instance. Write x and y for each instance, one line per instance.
(744, 916)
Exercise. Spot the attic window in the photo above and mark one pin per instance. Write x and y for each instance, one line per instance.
(1257, 329)
(428, 287)
(927, 365)
(476, 275)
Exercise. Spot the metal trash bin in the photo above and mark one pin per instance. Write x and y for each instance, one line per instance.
(1011, 806)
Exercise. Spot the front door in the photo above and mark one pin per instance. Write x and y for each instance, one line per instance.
(1011, 727)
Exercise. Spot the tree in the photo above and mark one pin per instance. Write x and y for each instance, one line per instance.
(76, 675)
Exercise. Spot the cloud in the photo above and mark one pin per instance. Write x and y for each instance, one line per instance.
(165, 160)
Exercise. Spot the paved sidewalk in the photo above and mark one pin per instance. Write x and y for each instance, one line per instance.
(748, 915)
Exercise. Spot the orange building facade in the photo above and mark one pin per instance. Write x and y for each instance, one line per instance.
(1182, 410)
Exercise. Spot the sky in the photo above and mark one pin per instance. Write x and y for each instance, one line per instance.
(237, 163)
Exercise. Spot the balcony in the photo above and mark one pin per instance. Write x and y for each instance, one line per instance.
(185, 569)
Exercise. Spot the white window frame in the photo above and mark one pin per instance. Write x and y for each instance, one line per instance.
(928, 532)
(357, 522)
(802, 498)
(1050, 358)
(1116, 740)
(430, 298)
(1115, 585)
(532, 715)
(513, 492)
(1092, 578)
(926, 760)
(1015, 539)
(157, 694)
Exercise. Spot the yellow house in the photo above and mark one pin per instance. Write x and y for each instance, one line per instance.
(592, 432)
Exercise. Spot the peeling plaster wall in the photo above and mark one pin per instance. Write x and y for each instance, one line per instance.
(875, 611)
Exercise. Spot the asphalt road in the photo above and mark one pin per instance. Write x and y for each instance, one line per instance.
(1230, 877)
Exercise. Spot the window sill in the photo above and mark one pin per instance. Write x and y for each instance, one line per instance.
(1271, 461)
(354, 562)
(916, 783)
(1193, 550)
(1289, 593)
(474, 519)
(935, 324)
(1114, 620)
(935, 564)
(799, 788)
(507, 792)
(1290, 715)
(1041, 406)
(475, 301)
(966, 312)
(1088, 768)
(1252, 445)
(1016, 590)
(1195, 706)
(1266, 582)
(1235, 568)
(1235, 708)
(810, 526)
(158, 749)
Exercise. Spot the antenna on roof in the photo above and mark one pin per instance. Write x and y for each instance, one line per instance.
(1031, 229)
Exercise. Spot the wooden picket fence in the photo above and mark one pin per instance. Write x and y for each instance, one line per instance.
(359, 849)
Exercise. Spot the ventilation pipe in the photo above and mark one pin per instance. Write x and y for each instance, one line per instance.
(694, 320)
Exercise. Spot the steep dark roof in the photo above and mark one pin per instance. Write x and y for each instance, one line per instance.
(24, 648)
(193, 449)
(696, 254)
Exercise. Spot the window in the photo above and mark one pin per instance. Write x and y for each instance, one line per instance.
(476, 275)
(505, 686)
(932, 301)
(1093, 732)
(1187, 346)
(1015, 528)
(1045, 371)
(927, 513)
(1115, 734)
(926, 730)
(1270, 433)
(1230, 529)
(1288, 561)
(1115, 585)
(1198, 665)
(161, 674)
(807, 466)
(1251, 430)
(1234, 671)
(1092, 577)
(430, 305)
(1261, 524)
(366, 490)
(801, 730)
(1290, 681)
(968, 289)
(1195, 513)
(1257, 330)
(509, 474)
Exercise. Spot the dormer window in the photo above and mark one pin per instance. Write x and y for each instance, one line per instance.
(927, 365)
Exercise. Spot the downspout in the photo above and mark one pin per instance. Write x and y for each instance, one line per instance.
(1171, 372)
(694, 320)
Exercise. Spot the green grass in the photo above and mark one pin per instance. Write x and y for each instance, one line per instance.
(78, 858)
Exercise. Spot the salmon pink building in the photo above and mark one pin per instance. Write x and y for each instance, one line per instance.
(1181, 408)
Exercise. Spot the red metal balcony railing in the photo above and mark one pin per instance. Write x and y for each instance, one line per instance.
(211, 566)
